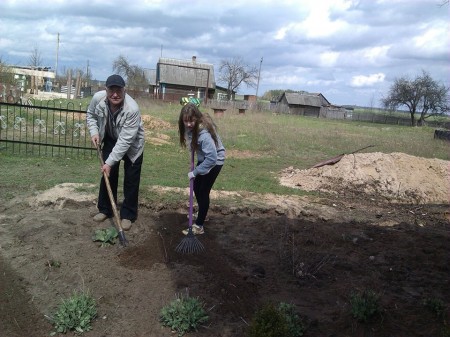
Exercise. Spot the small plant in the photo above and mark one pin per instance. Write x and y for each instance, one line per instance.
(295, 324)
(272, 321)
(435, 305)
(183, 314)
(364, 305)
(75, 314)
(53, 264)
(107, 236)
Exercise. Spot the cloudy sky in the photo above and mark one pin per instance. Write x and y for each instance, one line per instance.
(349, 50)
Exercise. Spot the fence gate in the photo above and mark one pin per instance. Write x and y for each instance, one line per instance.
(32, 129)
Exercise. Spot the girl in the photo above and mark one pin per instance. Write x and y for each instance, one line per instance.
(198, 133)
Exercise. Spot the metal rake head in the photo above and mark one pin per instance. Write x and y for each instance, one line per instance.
(190, 245)
(122, 239)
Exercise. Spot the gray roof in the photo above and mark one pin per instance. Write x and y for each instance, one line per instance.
(303, 99)
(186, 73)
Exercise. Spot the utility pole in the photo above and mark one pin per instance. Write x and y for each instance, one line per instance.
(259, 75)
(57, 52)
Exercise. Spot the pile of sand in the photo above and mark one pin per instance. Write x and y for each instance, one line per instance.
(396, 176)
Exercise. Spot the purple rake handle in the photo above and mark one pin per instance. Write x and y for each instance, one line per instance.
(191, 191)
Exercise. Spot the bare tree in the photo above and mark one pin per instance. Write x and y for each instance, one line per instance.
(134, 74)
(35, 59)
(421, 95)
(6, 75)
(234, 72)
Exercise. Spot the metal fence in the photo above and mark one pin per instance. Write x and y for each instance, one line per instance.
(31, 129)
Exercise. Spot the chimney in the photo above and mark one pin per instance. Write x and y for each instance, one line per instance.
(194, 59)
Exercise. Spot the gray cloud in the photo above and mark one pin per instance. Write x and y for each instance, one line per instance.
(351, 51)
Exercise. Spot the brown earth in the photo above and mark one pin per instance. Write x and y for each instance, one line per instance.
(377, 221)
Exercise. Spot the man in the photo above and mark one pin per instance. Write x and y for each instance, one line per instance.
(114, 120)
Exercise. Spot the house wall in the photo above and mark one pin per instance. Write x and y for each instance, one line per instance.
(304, 110)
(174, 92)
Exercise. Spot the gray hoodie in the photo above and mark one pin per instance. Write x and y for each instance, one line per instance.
(129, 129)
(208, 154)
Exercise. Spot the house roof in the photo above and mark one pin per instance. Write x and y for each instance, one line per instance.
(182, 72)
(304, 98)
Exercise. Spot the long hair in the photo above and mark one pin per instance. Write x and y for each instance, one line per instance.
(202, 121)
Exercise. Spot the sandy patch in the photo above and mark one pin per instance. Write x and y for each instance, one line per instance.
(395, 176)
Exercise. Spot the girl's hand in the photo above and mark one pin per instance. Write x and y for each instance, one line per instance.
(191, 175)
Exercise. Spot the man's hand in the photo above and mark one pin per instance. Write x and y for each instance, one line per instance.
(96, 140)
(191, 175)
(106, 169)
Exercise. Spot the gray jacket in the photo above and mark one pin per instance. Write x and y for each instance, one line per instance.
(129, 129)
(208, 154)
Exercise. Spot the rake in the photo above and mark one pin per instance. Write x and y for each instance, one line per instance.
(122, 237)
(190, 243)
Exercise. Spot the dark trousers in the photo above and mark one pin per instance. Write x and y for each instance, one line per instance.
(131, 180)
(202, 187)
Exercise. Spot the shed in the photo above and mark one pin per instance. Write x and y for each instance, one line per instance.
(303, 103)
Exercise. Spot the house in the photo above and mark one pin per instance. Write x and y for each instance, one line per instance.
(32, 79)
(178, 78)
(220, 94)
(304, 103)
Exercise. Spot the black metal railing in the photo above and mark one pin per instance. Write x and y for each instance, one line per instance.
(49, 130)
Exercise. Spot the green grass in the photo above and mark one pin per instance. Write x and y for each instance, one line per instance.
(270, 142)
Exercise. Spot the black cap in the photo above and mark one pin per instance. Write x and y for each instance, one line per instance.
(116, 80)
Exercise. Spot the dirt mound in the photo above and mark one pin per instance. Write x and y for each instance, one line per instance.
(152, 123)
(398, 177)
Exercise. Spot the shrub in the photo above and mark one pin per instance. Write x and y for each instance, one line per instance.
(295, 324)
(184, 314)
(75, 313)
(435, 305)
(271, 321)
(364, 305)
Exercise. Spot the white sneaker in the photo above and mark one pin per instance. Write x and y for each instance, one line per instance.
(125, 224)
(197, 230)
(100, 217)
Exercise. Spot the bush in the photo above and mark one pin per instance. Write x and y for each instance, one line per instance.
(295, 324)
(436, 306)
(184, 314)
(364, 305)
(271, 321)
(75, 313)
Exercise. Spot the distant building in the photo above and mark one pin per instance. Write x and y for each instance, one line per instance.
(250, 98)
(221, 94)
(178, 78)
(310, 104)
(303, 103)
(32, 79)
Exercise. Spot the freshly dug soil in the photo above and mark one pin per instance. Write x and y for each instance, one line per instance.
(380, 222)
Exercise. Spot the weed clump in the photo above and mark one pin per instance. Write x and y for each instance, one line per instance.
(75, 314)
(183, 314)
(364, 305)
(274, 321)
